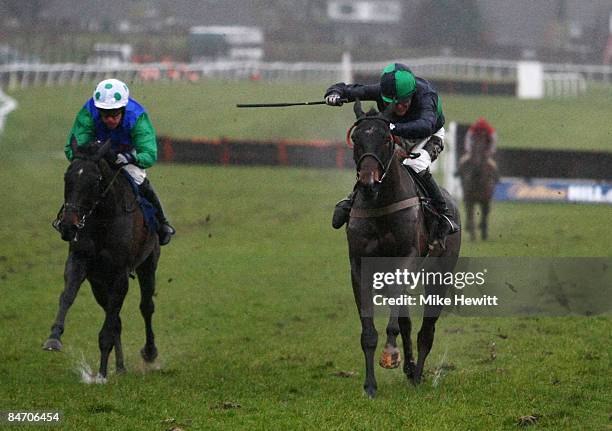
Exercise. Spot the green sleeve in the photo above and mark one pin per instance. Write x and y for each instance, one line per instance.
(145, 142)
(82, 130)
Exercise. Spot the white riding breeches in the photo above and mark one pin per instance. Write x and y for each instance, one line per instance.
(137, 174)
(422, 162)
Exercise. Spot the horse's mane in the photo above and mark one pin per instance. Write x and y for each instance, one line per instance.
(88, 151)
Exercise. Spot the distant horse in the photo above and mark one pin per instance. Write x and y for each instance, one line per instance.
(479, 176)
(108, 240)
(387, 220)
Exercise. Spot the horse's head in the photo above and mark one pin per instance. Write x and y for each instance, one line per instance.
(83, 188)
(373, 148)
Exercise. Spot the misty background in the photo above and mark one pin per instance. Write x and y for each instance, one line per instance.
(567, 31)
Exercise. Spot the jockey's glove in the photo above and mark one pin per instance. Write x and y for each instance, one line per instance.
(334, 99)
(125, 159)
(434, 147)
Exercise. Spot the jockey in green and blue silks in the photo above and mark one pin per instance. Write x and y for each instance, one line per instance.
(112, 114)
(133, 132)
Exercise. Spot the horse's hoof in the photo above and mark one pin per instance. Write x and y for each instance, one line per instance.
(369, 392)
(390, 357)
(52, 344)
(148, 356)
(416, 379)
(409, 368)
(121, 370)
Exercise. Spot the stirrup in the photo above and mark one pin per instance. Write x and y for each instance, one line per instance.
(454, 227)
(442, 226)
(56, 224)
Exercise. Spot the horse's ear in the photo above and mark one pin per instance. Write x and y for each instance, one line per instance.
(357, 109)
(102, 150)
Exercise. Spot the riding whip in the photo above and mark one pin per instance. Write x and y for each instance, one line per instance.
(280, 105)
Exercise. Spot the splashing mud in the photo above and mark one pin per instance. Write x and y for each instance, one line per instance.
(83, 370)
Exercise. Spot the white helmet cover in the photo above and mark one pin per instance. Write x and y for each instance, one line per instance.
(111, 94)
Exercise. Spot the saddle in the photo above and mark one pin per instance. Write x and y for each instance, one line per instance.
(148, 209)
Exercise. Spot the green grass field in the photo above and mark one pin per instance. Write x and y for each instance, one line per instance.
(255, 318)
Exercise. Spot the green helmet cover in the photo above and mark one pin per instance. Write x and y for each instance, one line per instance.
(397, 83)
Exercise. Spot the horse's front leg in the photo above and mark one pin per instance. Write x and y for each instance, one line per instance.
(425, 338)
(405, 325)
(484, 228)
(101, 292)
(369, 340)
(146, 279)
(390, 356)
(110, 334)
(469, 225)
(75, 271)
(369, 336)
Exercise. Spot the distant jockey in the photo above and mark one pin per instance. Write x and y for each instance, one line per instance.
(480, 142)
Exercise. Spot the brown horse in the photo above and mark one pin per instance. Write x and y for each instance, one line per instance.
(108, 240)
(387, 220)
(479, 176)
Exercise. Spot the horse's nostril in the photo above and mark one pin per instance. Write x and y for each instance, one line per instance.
(67, 230)
(369, 177)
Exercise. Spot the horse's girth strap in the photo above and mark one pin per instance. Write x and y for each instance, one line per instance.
(390, 209)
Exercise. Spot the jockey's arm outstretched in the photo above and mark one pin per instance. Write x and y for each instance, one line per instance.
(417, 119)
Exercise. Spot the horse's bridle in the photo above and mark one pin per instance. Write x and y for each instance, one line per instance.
(394, 207)
(391, 142)
(78, 208)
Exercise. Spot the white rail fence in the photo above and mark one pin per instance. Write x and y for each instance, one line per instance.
(7, 105)
(565, 84)
(560, 80)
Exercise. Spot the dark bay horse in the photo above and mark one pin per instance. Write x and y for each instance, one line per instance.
(479, 176)
(108, 240)
(387, 220)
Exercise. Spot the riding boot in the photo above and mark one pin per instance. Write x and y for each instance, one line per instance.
(165, 230)
(445, 225)
(342, 211)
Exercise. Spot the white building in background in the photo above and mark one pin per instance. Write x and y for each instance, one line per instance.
(111, 54)
(225, 43)
(367, 11)
(362, 22)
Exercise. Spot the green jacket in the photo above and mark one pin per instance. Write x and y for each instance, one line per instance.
(134, 134)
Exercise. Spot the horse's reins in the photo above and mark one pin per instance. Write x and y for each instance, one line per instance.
(389, 209)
